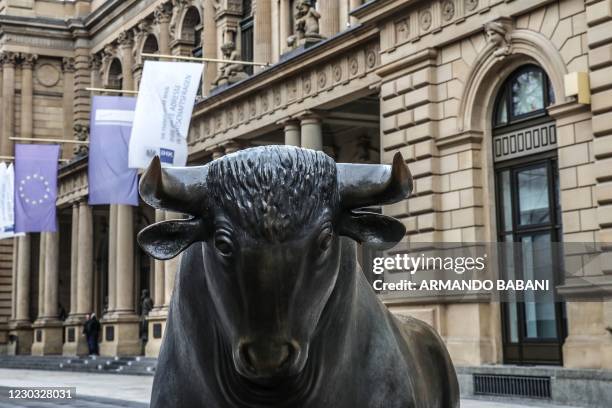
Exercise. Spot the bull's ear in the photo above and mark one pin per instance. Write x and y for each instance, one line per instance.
(165, 240)
(378, 230)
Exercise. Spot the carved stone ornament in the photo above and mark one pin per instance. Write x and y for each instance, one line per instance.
(28, 60)
(306, 26)
(81, 133)
(471, 5)
(275, 298)
(125, 39)
(68, 64)
(353, 66)
(425, 19)
(8, 58)
(498, 35)
(448, 10)
(163, 13)
(47, 74)
(95, 62)
(230, 73)
(402, 29)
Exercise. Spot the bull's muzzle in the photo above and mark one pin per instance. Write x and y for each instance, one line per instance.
(266, 359)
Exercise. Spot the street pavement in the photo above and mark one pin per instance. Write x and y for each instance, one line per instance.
(114, 390)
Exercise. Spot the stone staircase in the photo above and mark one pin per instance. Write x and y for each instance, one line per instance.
(91, 364)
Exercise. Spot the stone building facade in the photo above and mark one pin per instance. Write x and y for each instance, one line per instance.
(452, 84)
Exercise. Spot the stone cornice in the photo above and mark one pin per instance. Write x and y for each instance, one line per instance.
(313, 56)
(380, 9)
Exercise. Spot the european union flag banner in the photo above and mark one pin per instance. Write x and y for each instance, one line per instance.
(111, 181)
(35, 187)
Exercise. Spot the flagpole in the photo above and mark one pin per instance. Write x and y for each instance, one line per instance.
(202, 59)
(12, 158)
(125, 91)
(42, 140)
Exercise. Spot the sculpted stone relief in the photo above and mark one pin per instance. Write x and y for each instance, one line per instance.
(306, 23)
(230, 73)
(498, 34)
(431, 18)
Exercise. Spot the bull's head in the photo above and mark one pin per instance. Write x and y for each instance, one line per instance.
(270, 220)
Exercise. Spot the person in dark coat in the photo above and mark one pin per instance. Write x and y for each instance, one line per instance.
(91, 329)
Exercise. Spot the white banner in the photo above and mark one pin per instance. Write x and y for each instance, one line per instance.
(163, 113)
(7, 201)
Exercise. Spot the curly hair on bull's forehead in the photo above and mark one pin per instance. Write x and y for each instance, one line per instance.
(272, 191)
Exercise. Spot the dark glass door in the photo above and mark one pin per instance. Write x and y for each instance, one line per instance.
(529, 218)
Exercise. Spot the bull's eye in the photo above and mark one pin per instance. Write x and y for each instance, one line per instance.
(325, 238)
(223, 244)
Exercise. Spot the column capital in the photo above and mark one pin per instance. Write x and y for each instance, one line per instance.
(163, 13)
(289, 122)
(95, 62)
(81, 133)
(126, 39)
(8, 58)
(309, 115)
(68, 64)
(28, 60)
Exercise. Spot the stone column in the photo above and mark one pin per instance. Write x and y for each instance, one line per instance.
(42, 251)
(27, 66)
(21, 327)
(209, 46)
(75, 343)
(126, 44)
(158, 296)
(292, 133)
(285, 24)
(112, 259)
(74, 256)
(121, 327)
(163, 14)
(8, 60)
(125, 260)
(51, 275)
(14, 279)
(312, 132)
(262, 36)
(23, 280)
(330, 17)
(48, 328)
(85, 260)
(157, 317)
(68, 100)
(171, 265)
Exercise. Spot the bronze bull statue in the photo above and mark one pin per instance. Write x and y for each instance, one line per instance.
(270, 308)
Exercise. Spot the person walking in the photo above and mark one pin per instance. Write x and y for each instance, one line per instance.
(91, 329)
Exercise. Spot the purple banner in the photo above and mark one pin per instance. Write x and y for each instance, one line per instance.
(111, 181)
(35, 187)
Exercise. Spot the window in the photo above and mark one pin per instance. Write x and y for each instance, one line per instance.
(528, 214)
(526, 94)
(115, 75)
(246, 35)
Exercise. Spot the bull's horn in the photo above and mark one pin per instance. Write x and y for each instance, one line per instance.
(179, 189)
(364, 185)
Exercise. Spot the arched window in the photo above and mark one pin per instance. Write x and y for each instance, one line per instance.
(191, 30)
(150, 45)
(115, 75)
(526, 94)
(528, 214)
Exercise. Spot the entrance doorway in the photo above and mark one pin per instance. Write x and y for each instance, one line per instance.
(528, 215)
